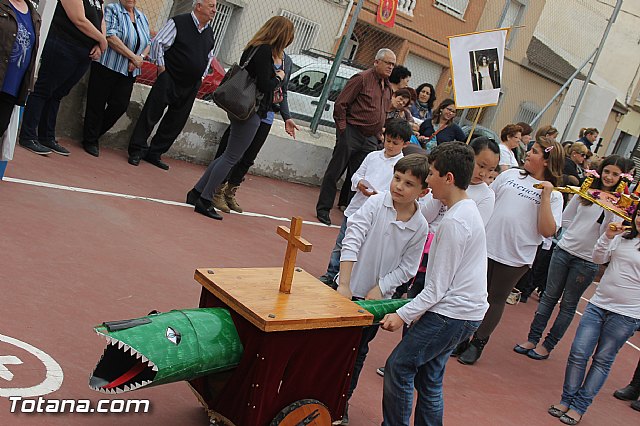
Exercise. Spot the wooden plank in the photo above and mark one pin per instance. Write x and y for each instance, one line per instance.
(254, 294)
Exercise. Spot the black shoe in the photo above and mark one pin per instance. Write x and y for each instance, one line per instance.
(134, 159)
(535, 355)
(459, 350)
(91, 149)
(326, 280)
(156, 162)
(635, 405)
(323, 217)
(629, 393)
(55, 147)
(204, 207)
(473, 352)
(34, 146)
(192, 197)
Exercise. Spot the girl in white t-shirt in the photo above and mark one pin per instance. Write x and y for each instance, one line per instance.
(611, 317)
(509, 139)
(572, 269)
(522, 217)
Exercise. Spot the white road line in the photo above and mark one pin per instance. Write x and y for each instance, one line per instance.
(155, 200)
(628, 342)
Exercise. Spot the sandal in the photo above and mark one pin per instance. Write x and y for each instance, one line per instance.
(568, 420)
(556, 412)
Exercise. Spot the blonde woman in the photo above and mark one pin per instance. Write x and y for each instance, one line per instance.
(267, 47)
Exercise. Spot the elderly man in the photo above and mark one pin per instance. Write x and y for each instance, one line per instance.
(182, 49)
(359, 113)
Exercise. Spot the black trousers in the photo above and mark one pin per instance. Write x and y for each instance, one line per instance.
(238, 172)
(108, 97)
(536, 277)
(7, 103)
(350, 150)
(179, 100)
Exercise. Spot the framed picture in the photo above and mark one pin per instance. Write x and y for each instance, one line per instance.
(477, 60)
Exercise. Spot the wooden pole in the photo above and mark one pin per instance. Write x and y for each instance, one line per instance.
(473, 127)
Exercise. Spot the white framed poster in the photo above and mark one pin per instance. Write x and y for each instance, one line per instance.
(477, 61)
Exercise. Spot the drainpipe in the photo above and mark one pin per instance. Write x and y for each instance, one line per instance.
(344, 19)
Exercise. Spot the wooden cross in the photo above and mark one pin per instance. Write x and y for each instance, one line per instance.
(294, 242)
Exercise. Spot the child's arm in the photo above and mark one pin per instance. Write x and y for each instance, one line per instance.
(441, 270)
(546, 221)
(606, 244)
(358, 226)
(344, 279)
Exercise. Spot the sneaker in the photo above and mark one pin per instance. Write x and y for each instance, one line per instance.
(380, 371)
(34, 146)
(328, 281)
(55, 147)
(514, 297)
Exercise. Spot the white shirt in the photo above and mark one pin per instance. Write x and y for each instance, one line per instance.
(377, 169)
(619, 288)
(433, 210)
(507, 157)
(581, 228)
(512, 231)
(386, 251)
(456, 278)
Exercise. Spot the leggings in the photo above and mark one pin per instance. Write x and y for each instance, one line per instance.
(500, 281)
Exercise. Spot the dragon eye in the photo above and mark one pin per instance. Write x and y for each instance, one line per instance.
(173, 336)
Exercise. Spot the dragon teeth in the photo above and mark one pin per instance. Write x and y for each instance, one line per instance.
(120, 344)
(154, 367)
(127, 388)
(144, 358)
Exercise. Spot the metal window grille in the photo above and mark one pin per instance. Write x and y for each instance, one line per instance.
(456, 8)
(306, 32)
(220, 24)
(526, 112)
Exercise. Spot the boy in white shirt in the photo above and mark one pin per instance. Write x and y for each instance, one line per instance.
(383, 242)
(451, 305)
(373, 175)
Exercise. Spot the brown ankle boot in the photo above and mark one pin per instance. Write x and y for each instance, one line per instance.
(219, 200)
(230, 197)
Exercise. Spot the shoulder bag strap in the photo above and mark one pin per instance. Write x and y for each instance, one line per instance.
(255, 49)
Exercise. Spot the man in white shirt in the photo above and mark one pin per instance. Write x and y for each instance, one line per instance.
(382, 245)
(451, 305)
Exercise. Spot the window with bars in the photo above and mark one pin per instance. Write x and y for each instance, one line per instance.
(456, 8)
(306, 32)
(527, 112)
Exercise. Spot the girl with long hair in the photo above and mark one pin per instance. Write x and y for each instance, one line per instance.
(611, 317)
(522, 217)
(572, 268)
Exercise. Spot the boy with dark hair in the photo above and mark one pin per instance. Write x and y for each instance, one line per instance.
(382, 245)
(373, 175)
(451, 305)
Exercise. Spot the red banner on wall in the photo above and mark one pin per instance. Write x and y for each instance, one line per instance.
(387, 13)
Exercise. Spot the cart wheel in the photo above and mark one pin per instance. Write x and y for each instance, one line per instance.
(302, 413)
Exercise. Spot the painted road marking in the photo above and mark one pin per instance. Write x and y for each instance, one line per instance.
(52, 381)
(4, 371)
(155, 200)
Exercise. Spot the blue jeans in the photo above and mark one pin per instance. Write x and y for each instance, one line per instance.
(569, 277)
(334, 261)
(601, 331)
(419, 360)
(62, 65)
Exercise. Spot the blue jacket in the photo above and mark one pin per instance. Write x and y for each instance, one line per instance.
(452, 132)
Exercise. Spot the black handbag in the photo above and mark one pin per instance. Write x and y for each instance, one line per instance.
(237, 94)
